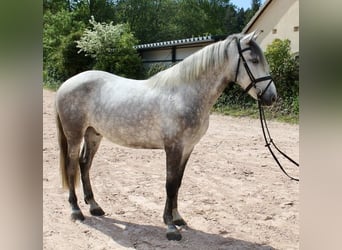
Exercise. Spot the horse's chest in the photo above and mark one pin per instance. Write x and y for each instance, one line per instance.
(196, 132)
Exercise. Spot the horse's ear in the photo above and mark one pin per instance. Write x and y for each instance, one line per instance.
(251, 36)
(256, 34)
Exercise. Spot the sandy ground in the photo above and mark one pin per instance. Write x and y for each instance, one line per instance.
(233, 195)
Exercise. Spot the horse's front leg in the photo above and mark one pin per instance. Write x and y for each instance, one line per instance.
(175, 165)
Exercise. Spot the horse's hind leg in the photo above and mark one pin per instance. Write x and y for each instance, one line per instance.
(91, 143)
(72, 173)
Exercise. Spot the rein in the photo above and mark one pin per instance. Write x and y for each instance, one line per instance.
(268, 139)
(269, 142)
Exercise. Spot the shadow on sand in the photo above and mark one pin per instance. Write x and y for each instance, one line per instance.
(138, 236)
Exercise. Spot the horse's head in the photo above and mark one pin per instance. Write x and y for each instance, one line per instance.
(252, 70)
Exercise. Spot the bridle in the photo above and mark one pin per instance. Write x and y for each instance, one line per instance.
(268, 139)
(254, 80)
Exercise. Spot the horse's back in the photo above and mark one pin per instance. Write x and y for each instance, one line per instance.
(103, 101)
(87, 81)
(87, 85)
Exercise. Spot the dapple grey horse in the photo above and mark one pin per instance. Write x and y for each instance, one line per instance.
(168, 111)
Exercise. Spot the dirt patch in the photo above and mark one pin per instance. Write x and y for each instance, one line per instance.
(233, 195)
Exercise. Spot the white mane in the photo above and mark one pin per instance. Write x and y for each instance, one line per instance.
(192, 67)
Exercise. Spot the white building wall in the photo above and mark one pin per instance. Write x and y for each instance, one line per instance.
(279, 20)
(182, 53)
(164, 54)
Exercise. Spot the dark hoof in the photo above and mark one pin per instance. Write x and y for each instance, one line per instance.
(179, 222)
(77, 215)
(172, 233)
(97, 211)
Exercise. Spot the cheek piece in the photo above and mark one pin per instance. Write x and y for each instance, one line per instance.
(254, 80)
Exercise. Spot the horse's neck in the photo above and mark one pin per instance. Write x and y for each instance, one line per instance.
(212, 87)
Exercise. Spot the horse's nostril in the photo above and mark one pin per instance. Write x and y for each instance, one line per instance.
(274, 98)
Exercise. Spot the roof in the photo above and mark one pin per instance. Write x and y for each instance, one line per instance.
(256, 16)
(180, 42)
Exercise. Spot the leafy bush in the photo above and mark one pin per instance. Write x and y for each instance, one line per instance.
(60, 56)
(111, 46)
(73, 62)
(155, 68)
(284, 70)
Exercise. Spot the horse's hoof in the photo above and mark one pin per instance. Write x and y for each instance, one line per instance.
(97, 211)
(172, 233)
(180, 222)
(77, 215)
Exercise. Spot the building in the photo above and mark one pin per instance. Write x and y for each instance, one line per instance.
(171, 52)
(276, 19)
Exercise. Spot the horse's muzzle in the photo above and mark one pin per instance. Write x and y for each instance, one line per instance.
(268, 99)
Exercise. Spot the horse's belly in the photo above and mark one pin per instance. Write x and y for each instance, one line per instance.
(141, 143)
(137, 137)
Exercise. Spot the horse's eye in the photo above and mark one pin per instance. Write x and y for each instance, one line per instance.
(255, 60)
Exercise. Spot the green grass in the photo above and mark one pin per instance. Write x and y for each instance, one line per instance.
(253, 112)
(51, 86)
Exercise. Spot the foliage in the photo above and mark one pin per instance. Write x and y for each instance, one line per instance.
(284, 67)
(285, 72)
(58, 30)
(55, 6)
(73, 61)
(155, 68)
(233, 95)
(112, 47)
(149, 21)
(101, 10)
(255, 5)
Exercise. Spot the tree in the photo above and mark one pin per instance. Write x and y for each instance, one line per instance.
(57, 27)
(232, 20)
(150, 21)
(255, 5)
(72, 61)
(112, 47)
(55, 6)
(102, 10)
(191, 19)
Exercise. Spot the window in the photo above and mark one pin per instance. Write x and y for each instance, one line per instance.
(296, 28)
(274, 31)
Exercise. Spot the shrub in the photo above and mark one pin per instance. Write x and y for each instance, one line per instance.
(73, 62)
(285, 72)
(155, 68)
(59, 47)
(111, 46)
